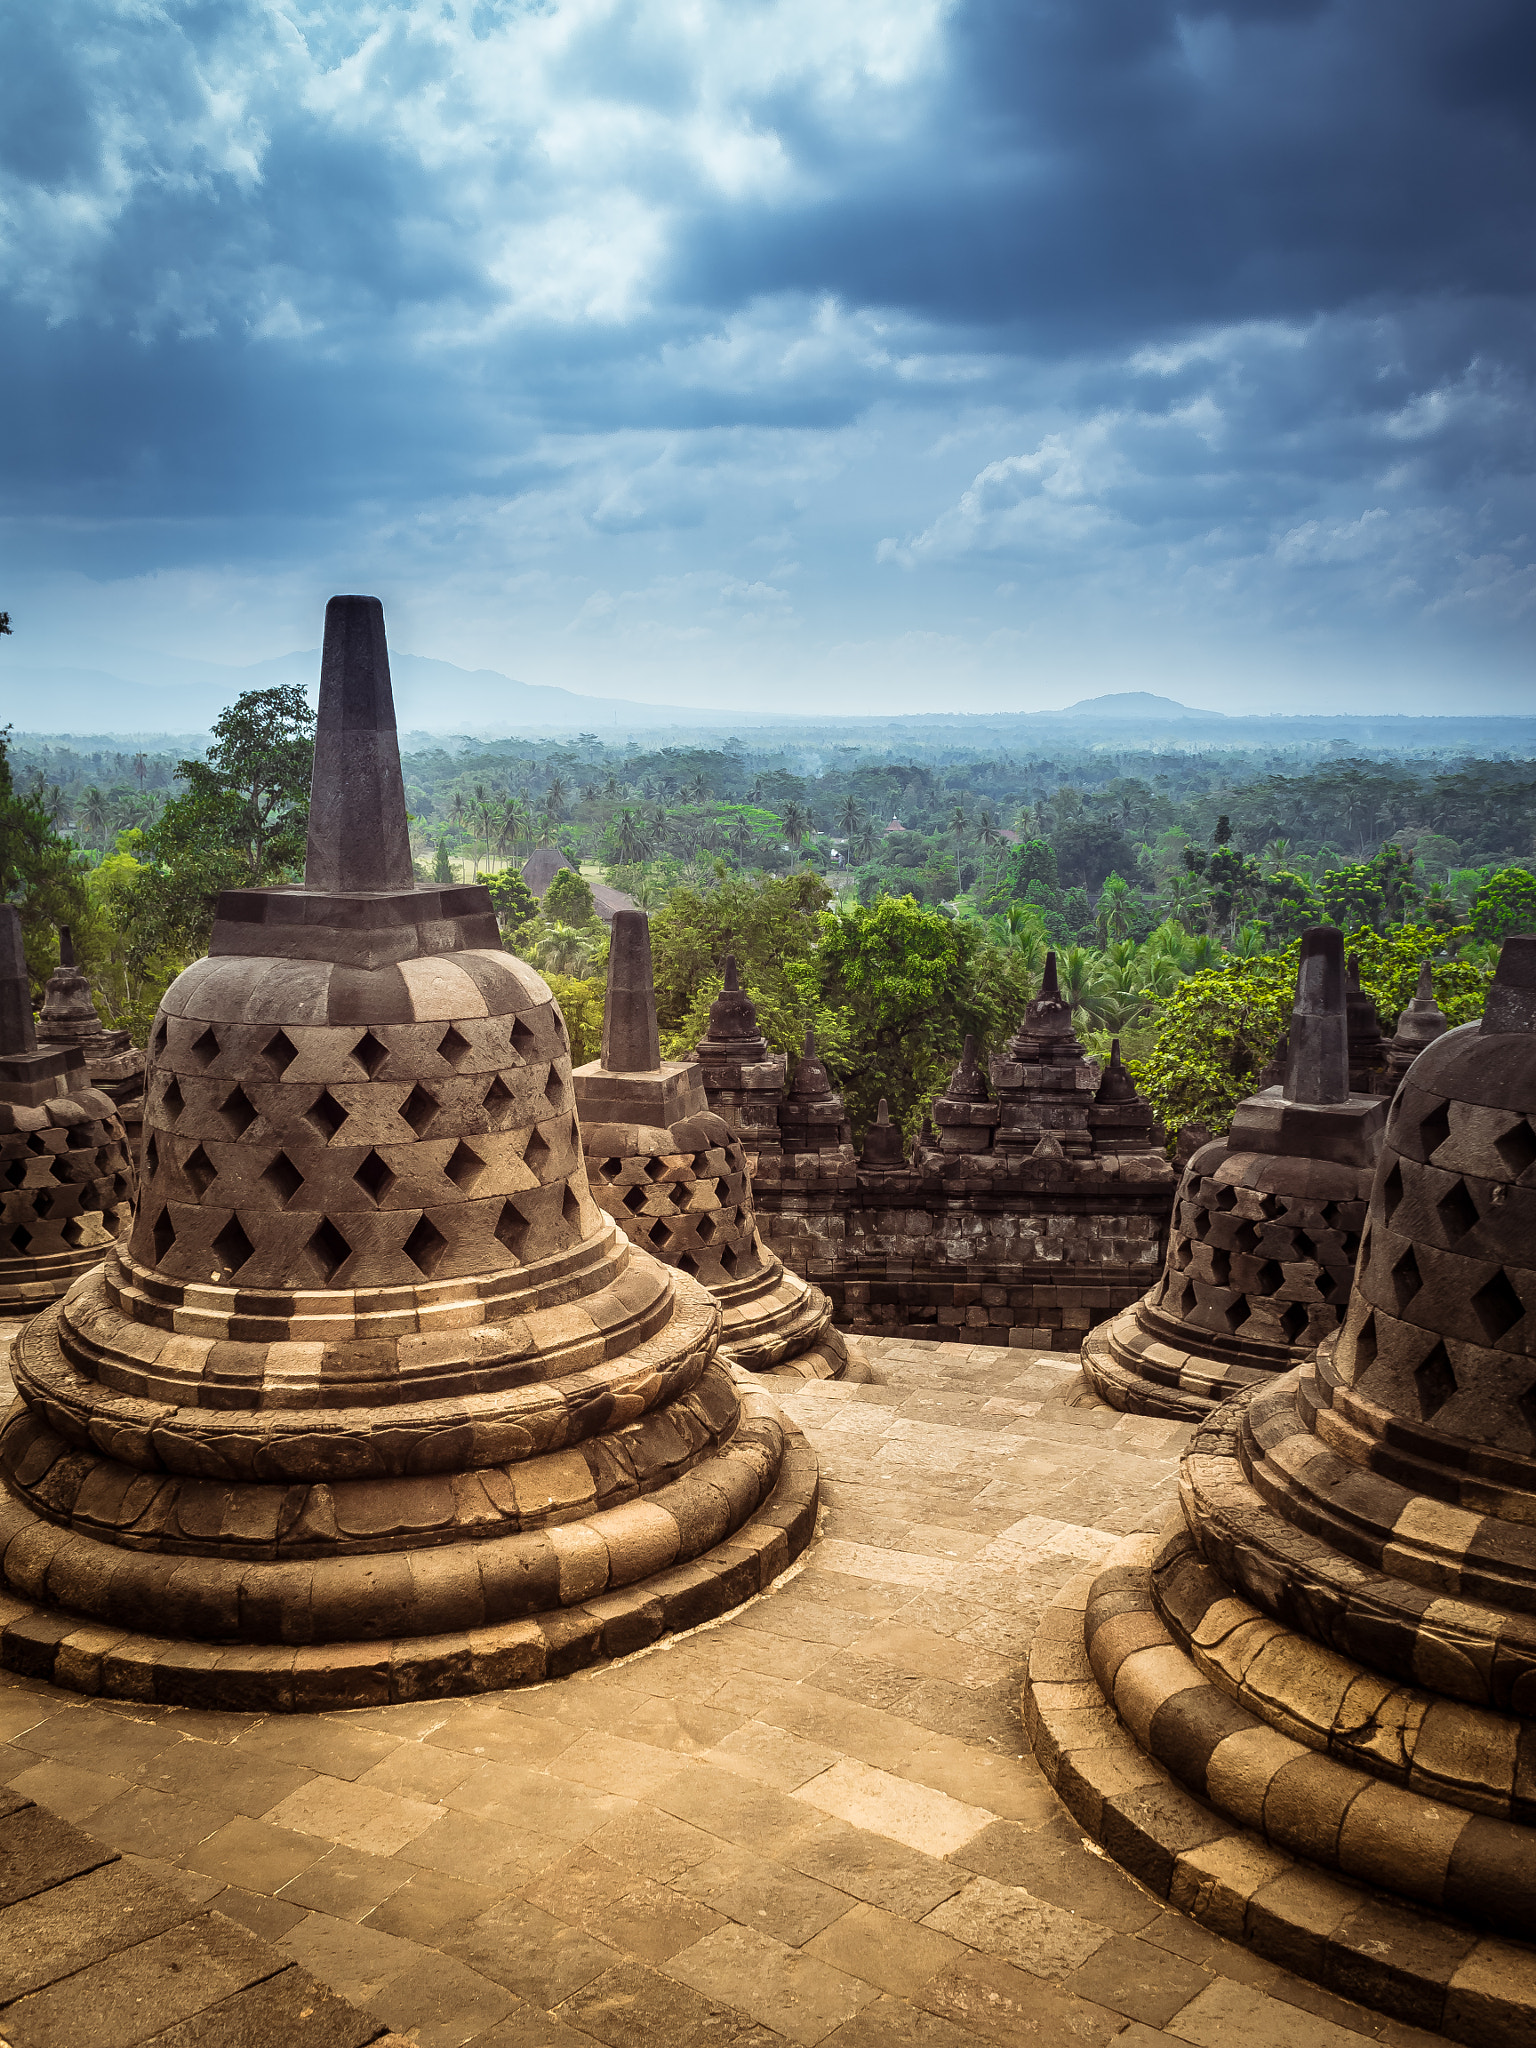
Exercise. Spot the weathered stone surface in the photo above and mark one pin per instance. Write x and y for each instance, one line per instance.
(1266, 1226)
(1335, 1644)
(306, 1435)
(673, 1176)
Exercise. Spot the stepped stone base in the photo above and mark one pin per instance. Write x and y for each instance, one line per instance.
(619, 1579)
(1103, 1639)
(1135, 1367)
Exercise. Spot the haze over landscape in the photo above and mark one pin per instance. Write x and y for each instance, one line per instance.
(869, 359)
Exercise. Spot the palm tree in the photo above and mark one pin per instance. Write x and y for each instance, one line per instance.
(631, 841)
(1083, 982)
(796, 820)
(564, 950)
(867, 842)
(1249, 943)
(1275, 853)
(95, 816)
(850, 816)
(1114, 903)
(958, 824)
(1025, 937)
(555, 799)
(990, 835)
(742, 838)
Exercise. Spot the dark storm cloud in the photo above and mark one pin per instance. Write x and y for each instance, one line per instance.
(1232, 299)
(1089, 173)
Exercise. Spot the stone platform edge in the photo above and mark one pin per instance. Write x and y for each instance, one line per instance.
(1412, 1964)
(38, 1642)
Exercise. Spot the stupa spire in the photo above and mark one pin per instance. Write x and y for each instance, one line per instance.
(1317, 1064)
(631, 1039)
(358, 839)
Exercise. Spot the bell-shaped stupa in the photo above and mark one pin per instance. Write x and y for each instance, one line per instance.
(1265, 1226)
(66, 1184)
(673, 1176)
(1421, 1022)
(113, 1062)
(1327, 1661)
(375, 1403)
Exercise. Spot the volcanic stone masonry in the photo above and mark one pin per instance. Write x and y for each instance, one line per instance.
(375, 1403)
(1323, 1673)
(1025, 1220)
(66, 1184)
(673, 1176)
(113, 1062)
(1265, 1229)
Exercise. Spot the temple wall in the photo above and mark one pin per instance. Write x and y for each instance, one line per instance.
(1033, 1258)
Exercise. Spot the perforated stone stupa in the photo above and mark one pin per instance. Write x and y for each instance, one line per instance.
(674, 1177)
(1328, 1660)
(376, 1403)
(66, 1184)
(1265, 1227)
(113, 1062)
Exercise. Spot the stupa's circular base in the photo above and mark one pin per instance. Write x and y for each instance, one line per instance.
(1138, 1367)
(779, 1322)
(1227, 1819)
(28, 1284)
(619, 1580)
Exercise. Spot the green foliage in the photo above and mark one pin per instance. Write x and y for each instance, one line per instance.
(241, 822)
(568, 899)
(513, 901)
(40, 873)
(1376, 892)
(910, 984)
(442, 866)
(1505, 904)
(581, 1004)
(770, 925)
(1389, 971)
(1215, 1032)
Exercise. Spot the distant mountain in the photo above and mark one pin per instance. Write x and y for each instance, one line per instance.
(1137, 704)
(185, 697)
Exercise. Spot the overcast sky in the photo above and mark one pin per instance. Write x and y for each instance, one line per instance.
(873, 353)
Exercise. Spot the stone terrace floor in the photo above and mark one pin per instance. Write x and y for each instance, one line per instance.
(816, 1821)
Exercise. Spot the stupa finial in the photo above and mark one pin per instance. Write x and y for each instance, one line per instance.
(631, 1039)
(358, 839)
(732, 985)
(1050, 987)
(66, 947)
(1317, 1064)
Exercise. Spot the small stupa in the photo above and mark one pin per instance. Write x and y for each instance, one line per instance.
(1367, 1047)
(1265, 1229)
(812, 1117)
(674, 1177)
(1118, 1119)
(115, 1064)
(965, 1113)
(742, 1079)
(1419, 1025)
(66, 1184)
(882, 1151)
(1044, 1082)
(375, 1403)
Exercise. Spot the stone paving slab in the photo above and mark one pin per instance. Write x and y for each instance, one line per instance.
(816, 1820)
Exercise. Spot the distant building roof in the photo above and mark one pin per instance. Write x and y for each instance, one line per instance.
(606, 901)
(542, 866)
(894, 826)
(545, 862)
